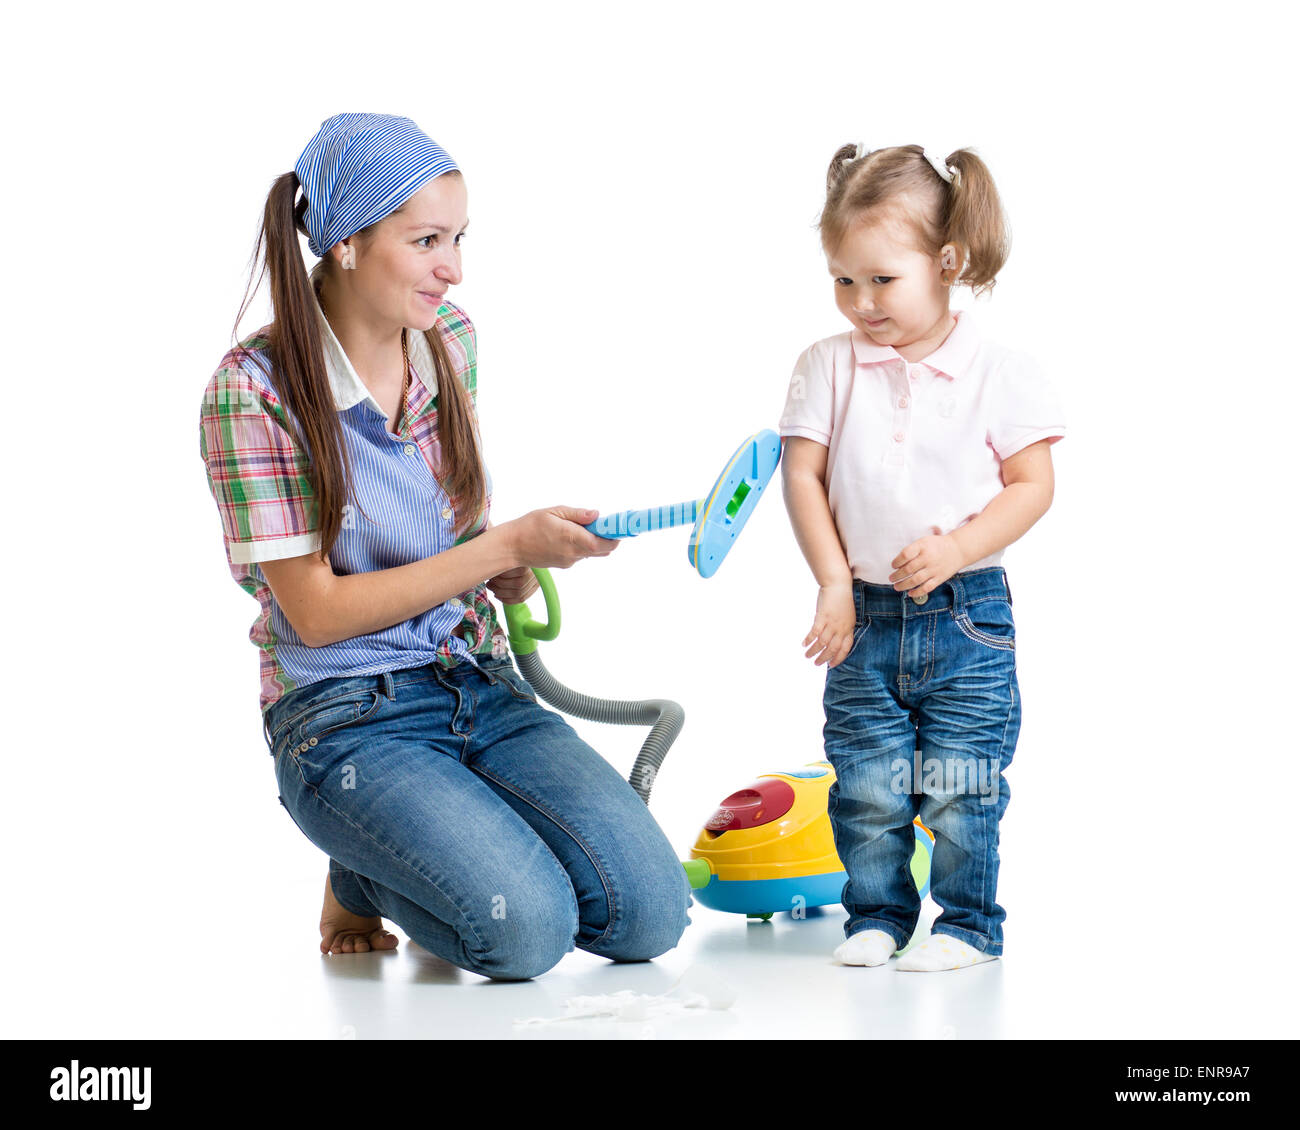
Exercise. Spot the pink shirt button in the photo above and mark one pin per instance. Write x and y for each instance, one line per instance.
(898, 437)
(913, 375)
(902, 402)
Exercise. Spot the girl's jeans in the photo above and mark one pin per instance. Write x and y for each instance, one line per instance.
(452, 803)
(922, 719)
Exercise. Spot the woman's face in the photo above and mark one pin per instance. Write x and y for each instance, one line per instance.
(408, 260)
(886, 288)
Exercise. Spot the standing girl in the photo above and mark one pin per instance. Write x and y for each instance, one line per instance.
(915, 451)
(342, 448)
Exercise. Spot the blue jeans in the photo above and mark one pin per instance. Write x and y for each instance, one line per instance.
(922, 719)
(452, 803)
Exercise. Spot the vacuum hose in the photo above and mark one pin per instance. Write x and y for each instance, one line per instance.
(663, 715)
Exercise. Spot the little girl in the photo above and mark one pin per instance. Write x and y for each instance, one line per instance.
(916, 451)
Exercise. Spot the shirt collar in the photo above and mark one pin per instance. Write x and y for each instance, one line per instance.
(348, 388)
(952, 358)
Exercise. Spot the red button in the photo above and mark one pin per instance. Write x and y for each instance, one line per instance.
(898, 437)
(763, 801)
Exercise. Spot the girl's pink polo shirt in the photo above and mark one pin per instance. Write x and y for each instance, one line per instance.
(916, 448)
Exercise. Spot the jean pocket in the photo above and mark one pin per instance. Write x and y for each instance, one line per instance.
(321, 718)
(516, 684)
(988, 622)
(314, 757)
(859, 634)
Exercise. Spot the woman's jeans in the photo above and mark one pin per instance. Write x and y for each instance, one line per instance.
(450, 802)
(922, 719)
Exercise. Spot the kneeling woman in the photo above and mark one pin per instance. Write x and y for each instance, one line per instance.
(342, 448)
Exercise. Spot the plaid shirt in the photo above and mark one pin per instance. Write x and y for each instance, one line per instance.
(397, 513)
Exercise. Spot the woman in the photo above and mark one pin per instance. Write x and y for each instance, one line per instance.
(342, 448)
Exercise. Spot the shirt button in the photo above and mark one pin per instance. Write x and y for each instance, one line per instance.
(902, 402)
(446, 513)
(409, 449)
(914, 375)
(898, 437)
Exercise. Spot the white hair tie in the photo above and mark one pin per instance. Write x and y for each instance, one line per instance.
(858, 154)
(950, 173)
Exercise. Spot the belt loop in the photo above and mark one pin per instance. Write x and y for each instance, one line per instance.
(958, 593)
(1007, 583)
(859, 601)
(386, 685)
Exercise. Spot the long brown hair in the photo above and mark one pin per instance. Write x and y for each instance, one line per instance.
(302, 381)
(967, 214)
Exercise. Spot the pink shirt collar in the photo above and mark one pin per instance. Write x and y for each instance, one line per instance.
(953, 357)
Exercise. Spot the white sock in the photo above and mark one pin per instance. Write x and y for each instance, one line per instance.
(941, 951)
(866, 947)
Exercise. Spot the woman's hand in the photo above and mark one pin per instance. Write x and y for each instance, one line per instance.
(833, 625)
(514, 586)
(554, 538)
(925, 564)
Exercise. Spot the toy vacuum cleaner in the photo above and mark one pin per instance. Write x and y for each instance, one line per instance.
(768, 847)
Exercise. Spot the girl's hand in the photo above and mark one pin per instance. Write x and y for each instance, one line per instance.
(514, 586)
(833, 625)
(925, 564)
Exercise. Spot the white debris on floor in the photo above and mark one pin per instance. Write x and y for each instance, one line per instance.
(696, 988)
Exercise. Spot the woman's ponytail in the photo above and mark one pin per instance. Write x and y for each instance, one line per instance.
(463, 479)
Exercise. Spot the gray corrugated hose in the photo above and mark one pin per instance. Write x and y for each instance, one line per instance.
(663, 715)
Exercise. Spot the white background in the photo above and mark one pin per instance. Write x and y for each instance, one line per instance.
(643, 269)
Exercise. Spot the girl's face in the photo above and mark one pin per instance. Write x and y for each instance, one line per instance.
(886, 288)
(410, 259)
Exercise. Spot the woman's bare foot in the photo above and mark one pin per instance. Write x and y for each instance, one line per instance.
(341, 931)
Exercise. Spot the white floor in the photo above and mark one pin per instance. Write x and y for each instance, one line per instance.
(264, 977)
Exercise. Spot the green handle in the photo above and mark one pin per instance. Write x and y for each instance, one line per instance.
(523, 629)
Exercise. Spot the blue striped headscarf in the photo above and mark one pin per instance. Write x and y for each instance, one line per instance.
(360, 168)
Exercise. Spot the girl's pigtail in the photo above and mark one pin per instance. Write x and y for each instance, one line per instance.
(976, 223)
(840, 165)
